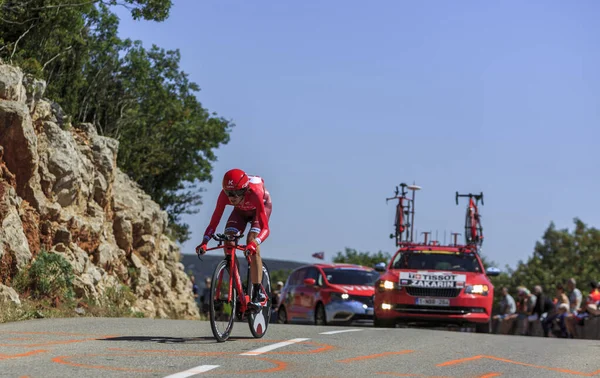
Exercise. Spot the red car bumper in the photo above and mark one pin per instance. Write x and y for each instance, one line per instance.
(399, 306)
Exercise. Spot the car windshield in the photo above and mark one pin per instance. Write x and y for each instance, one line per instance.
(448, 261)
(350, 276)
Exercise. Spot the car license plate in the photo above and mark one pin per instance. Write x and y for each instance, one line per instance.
(369, 312)
(433, 302)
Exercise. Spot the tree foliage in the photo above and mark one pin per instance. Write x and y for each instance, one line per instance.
(280, 275)
(352, 256)
(560, 255)
(137, 95)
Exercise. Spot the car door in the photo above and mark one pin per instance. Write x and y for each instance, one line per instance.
(294, 300)
(308, 294)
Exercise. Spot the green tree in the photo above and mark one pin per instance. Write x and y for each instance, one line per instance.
(169, 137)
(560, 255)
(280, 275)
(136, 95)
(352, 256)
(50, 38)
(101, 99)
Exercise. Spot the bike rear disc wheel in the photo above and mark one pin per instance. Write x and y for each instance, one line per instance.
(259, 322)
(469, 237)
(222, 308)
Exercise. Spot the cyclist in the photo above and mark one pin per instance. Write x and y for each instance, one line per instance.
(252, 204)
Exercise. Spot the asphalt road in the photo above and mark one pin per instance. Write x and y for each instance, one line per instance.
(101, 347)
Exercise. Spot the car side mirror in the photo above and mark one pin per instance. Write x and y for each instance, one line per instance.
(309, 281)
(492, 271)
(380, 267)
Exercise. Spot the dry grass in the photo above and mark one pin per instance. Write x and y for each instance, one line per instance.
(116, 304)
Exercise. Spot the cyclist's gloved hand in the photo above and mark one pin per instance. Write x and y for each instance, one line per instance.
(201, 249)
(251, 248)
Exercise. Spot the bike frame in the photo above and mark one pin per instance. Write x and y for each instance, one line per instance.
(400, 225)
(473, 214)
(234, 275)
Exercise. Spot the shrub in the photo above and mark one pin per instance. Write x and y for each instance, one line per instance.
(50, 276)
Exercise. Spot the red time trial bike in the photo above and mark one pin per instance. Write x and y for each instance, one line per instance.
(473, 228)
(230, 299)
(404, 209)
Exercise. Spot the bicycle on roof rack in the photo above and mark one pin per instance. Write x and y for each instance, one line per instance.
(473, 227)
(404, 209)
(230, 299)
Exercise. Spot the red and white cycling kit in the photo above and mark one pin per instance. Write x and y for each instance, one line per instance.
(255, 208)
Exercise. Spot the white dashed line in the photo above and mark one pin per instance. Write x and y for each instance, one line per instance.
(193, 371)
(340, 331)
(268, 348)
(204, 368)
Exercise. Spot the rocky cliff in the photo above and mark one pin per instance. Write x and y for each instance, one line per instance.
(61, 191)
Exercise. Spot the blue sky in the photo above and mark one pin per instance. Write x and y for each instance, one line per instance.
(337, 102)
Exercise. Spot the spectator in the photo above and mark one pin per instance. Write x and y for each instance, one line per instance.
(590, 307)
(595, 291)
(525, 309)
(277, 294)
(542, 307)
(575, 296)
(557, 316)
(553, 316)
(563, 312)
(575, 299)
(195, 289)
(205, 298)
(275, 298)
(507, 308)
(544, 304)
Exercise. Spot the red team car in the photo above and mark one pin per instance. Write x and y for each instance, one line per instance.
(324, 294)
(428, 283)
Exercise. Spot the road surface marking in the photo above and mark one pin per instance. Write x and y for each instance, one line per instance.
(268, 348)
(193, 371)
(360, 358)
(478, 357)
(341, 331)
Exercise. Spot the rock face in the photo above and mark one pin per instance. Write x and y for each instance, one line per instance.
(61, 191)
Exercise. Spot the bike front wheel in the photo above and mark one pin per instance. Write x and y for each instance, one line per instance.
(222, 308)
(259, 322)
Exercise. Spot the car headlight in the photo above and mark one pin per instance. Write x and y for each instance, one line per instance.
(339, 296)
(387, 285)
(477, 289)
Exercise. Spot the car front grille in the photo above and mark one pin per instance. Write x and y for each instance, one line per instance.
(433, 292)
(450, 310)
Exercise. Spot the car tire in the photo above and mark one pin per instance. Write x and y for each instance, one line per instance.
(483, 327)
(383, 323)
(320, 315)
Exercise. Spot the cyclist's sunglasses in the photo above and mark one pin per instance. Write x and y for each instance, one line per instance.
(235, 193)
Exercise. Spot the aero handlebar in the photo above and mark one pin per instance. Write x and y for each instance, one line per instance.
(470, 195)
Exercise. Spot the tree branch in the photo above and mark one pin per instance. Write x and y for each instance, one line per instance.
(56, 56)
(124, 5)
(19, 23)
(17, 42)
